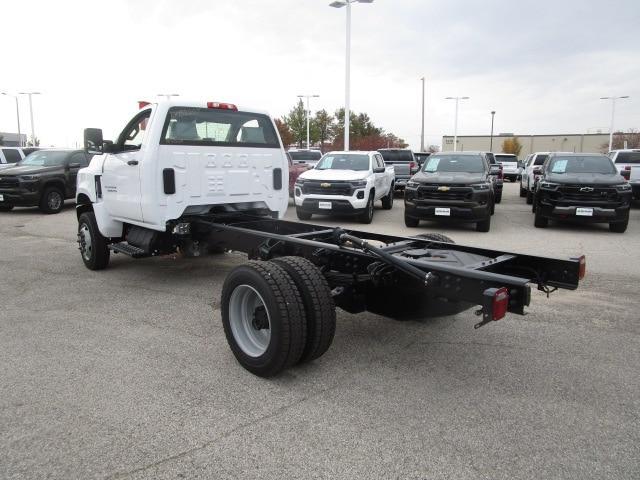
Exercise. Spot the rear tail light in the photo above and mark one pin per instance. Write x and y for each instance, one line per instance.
(500, 303)
(626, 173)
(582, 271)
(413, 167)
(222, 106)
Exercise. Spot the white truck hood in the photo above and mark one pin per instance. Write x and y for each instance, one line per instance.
(329, 174)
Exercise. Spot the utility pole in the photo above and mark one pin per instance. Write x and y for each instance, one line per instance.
(422, 129)
(493, 112)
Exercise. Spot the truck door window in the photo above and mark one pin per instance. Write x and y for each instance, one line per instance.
(80, 158)
(11, 155)
(133, 134)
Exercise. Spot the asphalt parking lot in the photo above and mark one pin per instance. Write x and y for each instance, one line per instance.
(125, 373)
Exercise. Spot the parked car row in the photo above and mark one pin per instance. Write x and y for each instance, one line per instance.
(12, 155)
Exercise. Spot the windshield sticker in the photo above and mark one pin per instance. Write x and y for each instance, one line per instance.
(432, 165)
(559, 166)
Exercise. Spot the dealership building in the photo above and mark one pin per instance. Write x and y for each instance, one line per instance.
(572, 142)
(12, 139)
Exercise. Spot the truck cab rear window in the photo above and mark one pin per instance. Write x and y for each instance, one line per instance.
(211, 127)
(628, 157)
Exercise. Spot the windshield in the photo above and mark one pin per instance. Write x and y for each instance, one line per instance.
(310, 155)
(344, 161)
(455, 163)
(590, 164)
(43, 158)
(506, 158)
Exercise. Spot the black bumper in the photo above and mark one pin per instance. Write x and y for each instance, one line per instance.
(19, 198)
(600, 214)
(463, 212)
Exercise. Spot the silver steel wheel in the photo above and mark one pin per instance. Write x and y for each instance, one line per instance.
(84, 239)
(249, 320)
(54, 200)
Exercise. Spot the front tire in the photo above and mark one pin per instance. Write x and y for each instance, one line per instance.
(263, 318)
(411, 222)
(484, 225)
(539, 221)
(498, 198)
(93, 246)
(319, 309)
(523, 192)
(366, 217)
(302, 215)
(619, 227)
(52, 200)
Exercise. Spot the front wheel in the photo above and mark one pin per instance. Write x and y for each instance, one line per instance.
(411, 222)
(484, 225)
(52, 200)
(499, 197)
(523, 192)
(366, 217)
(263, 318)
(529, 197)
(619, 227)
(539, 221)
(302, 215)
(93, 246)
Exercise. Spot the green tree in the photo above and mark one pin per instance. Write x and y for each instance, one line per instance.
(512, 145)
(324, 126)
(297, 123)
(285, 132)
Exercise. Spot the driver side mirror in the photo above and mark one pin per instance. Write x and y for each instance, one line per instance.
(93, 142)
(494, 170)
(379, 170)
(537, 171)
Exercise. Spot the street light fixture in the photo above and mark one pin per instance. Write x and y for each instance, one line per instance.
(308, 113)
(347, 111)
(15, 97)
(613, 113)
(30, 94)
(455, 125)
(493, 113)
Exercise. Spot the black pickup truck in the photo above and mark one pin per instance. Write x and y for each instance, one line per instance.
(456, 186)
(44, 179)
(581, 187)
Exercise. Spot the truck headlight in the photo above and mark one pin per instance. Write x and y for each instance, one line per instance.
(300, 181)
(549, 185)
(412, 184)
(359, 183)
(623, 187)
(480, 186)
(28, 178)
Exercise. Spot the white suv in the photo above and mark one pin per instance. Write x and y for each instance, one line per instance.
(627, 162)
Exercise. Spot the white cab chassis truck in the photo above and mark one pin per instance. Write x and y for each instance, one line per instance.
(206, 177)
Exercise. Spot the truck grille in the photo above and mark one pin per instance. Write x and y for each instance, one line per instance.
(431, 192)
(587, 194)
(9, 182)
(327, 188)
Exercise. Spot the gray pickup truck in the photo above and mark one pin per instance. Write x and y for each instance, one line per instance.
(404, 164)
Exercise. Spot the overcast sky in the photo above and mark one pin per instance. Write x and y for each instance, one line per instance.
(542, 65)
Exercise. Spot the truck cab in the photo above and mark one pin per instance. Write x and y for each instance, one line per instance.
(183, 158)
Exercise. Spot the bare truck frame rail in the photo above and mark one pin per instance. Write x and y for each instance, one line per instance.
(399, 277)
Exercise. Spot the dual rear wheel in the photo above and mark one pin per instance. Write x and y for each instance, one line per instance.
(277, 314)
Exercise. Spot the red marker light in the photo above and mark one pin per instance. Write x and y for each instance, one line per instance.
(222, 106)
(142, 104)
(500, 303)
(582, 271)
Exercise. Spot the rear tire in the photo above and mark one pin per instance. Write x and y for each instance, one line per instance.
(302, 215)
(523, 192)
(529, 197)
(387, 200)
(366, 217)
(498, 198)
(319, 309)
(411, 222)
(619, 227)
(6, 208)
(539, 221)
(263, 318)
(93, 246)
(484, 225)
(52, 200)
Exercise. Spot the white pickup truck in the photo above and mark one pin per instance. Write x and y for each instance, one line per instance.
(345, 183)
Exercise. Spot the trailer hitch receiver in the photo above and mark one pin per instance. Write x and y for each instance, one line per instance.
(495, 304)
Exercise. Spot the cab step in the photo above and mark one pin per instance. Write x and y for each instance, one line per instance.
(128, 249)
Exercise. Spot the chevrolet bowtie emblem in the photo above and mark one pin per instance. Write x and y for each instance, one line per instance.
(444, 189)
(325, 185)
(586, 189)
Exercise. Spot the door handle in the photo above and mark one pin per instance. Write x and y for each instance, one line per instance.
(132, 162)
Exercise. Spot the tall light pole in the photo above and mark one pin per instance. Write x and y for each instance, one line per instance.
(308, 113)
(33, 135)
(347, 82)
(455, 124)
(168, 95)
(15, 97)
(422, 129)
(613, 114)
(493, 113)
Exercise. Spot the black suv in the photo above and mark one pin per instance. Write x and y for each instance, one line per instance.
(452, 186)
(581, 187)
(42, 179)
